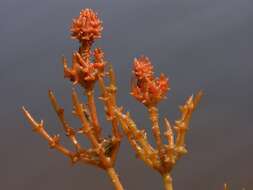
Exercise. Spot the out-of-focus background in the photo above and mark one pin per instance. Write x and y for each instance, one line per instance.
(200, 44)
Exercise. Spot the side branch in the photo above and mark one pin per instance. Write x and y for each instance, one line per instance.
(138, 140)
(53, 141)
(93, 112)
(182, 125)
(108, 96)
(60, 113)
(170, 148)
(112, 104)
(87, 130)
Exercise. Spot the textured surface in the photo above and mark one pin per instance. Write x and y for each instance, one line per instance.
(200, 44)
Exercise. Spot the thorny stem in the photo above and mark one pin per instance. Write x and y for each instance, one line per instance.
(107, 163)
(93, 112)
(110, 102)
(39, 128)
(112, 99)
(167, 180)
(108, 97)
(114, 178)
(153, 114)
(142, 148)
(182, 125)
(86, 129)
(54, 143)
(60, 112)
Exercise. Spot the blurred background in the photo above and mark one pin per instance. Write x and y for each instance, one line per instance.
(199, 44)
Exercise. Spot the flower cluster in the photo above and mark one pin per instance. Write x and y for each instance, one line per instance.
(87, 26)
(145, 87)
(82, 72)
(142, 68)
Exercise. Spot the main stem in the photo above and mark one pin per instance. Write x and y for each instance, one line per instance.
(153, 114)
(114, 178)
(167, 180)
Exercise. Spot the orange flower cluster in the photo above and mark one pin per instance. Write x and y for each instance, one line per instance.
(87, 26)
(145, 87)
(83, 72)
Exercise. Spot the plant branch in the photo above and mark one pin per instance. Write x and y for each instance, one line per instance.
(153, 115)
(87, 130)
(60, 113)
(182, 125)
(138, 140)
(93, 113)
(108, 96)
(52, 140)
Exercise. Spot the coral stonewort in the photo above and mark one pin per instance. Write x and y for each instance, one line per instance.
(86, 72)
(90, 68)
(149, 91)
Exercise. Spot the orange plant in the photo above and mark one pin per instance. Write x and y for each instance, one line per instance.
(150, 91)
(86, 29)
(90, 68)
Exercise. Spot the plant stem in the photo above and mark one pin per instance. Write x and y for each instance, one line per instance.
(114, 178)
(154, 117)
(167, 180)
(93, 112)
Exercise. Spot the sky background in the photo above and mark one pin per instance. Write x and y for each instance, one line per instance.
(199, 44)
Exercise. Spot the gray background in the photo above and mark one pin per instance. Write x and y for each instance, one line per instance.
(200, 44)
